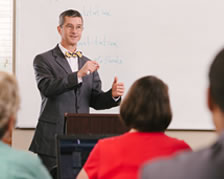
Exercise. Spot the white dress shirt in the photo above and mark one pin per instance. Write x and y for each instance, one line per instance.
(72, 61)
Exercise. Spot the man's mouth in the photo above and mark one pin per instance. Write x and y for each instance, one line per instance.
(74, 37)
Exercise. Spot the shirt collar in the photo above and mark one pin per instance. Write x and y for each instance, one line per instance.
(63, 49)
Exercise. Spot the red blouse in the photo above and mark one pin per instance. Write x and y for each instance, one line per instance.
(120, 157)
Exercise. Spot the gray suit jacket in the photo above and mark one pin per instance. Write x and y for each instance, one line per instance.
(203, 164)
(61, 93)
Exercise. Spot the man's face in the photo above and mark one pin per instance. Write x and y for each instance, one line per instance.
(71, 31)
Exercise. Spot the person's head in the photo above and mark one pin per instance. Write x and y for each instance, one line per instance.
(146, 106)
(216, 91)
(70, 27)
(9, 102)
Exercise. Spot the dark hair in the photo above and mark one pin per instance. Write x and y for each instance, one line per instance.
(69, 13)
(146, 106)
(216, 80)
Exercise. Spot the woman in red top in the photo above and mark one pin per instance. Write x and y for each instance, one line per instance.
(146, 111)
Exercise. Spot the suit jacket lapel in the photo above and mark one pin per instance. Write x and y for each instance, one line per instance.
(61, 60)
(81, 62)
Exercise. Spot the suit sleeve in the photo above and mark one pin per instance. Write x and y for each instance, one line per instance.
(100, 99)
(50, 82)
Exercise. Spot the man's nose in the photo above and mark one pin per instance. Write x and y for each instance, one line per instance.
(74, 29)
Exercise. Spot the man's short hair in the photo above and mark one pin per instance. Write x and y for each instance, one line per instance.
(69, 13)
(9, 100)
(216, 80)
(147, 106)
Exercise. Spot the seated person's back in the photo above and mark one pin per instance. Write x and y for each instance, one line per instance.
(20, 164)
(207, 163)
(146, 111)
(14, 163)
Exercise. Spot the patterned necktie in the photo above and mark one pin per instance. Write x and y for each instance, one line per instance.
(74, 54)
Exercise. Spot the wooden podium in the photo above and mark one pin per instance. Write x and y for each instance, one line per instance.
(93, 124)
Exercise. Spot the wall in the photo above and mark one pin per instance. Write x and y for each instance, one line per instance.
(129, 40)
(196, 139)
(181, 38)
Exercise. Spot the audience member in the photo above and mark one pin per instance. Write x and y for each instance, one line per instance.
(14, 163)
(146, 111)
(206, 163)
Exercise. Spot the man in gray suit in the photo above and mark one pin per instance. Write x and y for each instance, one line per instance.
(68, 83)
(207, 163)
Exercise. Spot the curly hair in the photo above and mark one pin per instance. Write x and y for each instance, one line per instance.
(9, 100)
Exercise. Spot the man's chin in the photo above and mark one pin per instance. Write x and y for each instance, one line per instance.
(73, 43)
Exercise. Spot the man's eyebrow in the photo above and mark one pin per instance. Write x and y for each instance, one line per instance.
(72, 24)
(68, 24)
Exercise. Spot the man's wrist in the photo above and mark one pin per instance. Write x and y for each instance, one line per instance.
(79, 79)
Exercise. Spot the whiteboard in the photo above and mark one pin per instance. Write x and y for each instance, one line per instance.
(174, 40)
(6, 16)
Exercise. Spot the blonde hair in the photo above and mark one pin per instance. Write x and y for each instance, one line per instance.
(9, 98)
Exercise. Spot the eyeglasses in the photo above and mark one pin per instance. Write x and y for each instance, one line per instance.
(72, 27)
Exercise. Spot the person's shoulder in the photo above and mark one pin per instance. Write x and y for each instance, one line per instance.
(110, 140)
(20, 154)
(23, 157)
(178, 143)
(28, 163)
(152, 169)
(47, 53)
(183, 165)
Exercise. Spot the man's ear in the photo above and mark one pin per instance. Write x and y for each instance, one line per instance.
(209, 100)
(59, 29)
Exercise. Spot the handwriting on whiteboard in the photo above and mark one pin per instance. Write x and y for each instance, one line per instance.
(97, 41)
(95, 11)
(108, 59)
